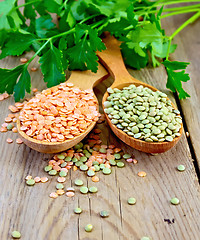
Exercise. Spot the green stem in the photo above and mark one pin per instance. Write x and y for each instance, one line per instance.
(175, 2)
(161, 3)
(190, 20)
(88, 18)
(38, 51)
(24, 4)
(185, 9)
(168, 49)
(179, 12)
(97, 24)
(185, 24)
(181, 8)
(58, 35)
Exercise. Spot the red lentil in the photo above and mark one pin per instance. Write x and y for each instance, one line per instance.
(9, 140)
(59, 113)
(142, 174)
(23, 60)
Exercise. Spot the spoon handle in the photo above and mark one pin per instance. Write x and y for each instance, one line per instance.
(87, 79)
(112, 59)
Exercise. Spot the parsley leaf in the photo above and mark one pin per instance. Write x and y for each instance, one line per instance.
(132, 58)
(51, 66)
(9, 17)
(82, 55)
(9, 83)
(53, 6)
(29, 12)
(23, 84)
(176, 77)
(9, 78)
(43, 25)
(17, 44)
(147, 35)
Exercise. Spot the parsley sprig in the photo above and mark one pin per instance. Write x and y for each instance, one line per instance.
(74, 42)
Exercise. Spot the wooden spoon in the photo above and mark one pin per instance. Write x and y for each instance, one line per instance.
(84, 80)
(112, 59)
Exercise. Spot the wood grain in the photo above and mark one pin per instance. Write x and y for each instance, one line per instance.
(188, 50)
(31, 211)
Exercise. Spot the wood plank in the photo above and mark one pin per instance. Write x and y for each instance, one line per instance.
(36, 216)
(188, 50)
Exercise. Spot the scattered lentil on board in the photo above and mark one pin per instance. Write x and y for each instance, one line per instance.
(104, 214)
(181, 168)
(175, 201)
(143, 114)
(142, 174)
(78, 210)
(16, 234)
(88, 228)
(131, 201)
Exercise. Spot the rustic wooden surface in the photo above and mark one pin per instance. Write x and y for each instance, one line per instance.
(38, 217)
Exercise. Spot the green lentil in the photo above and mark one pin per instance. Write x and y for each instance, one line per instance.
(117, 156)
(112, 162)
(90, 173)
(88, 228)
(48, 168)
(68, 159)
(63, 165)
(84, 190)
(62, 174)
(93, 189)
(136, 108)
(53, 172)
(83, 167)
(61, 156)
(169, 138)
(59, 186)
(126, 156)
(175, 201)
(10, 126)
(102, 150)
(104, 214)
(79, 163)
(16, 234)
(77, 210)
(106, 171)
(120, 164)
(181, 168)
(30, 182)
(97, 168)
(74, 160)
(78, 146)
(95, 163)
(78, 182)
(83, 159)
(102, 166)
(131, 201)
(145, 238)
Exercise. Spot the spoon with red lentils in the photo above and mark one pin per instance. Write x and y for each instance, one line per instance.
(60, 117)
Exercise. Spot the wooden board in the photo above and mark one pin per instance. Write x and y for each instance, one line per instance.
(188, 50)
(31, 211)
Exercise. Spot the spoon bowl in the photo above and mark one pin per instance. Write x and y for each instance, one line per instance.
(112, 59)
(84, 80)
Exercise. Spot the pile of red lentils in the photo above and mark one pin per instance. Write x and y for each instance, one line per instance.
(59, 113)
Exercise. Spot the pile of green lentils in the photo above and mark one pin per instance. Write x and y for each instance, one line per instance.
(143, 114)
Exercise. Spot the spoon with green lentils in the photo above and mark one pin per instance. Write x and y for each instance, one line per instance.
(139, 114)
